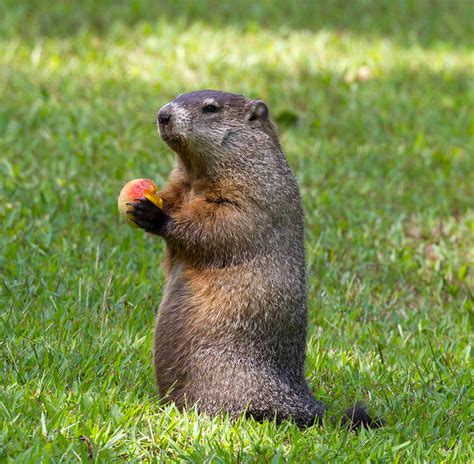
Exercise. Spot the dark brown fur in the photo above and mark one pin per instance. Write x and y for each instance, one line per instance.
(230, 334)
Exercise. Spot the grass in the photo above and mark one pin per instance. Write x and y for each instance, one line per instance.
(374, 105)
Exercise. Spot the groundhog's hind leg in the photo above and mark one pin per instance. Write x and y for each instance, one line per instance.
(283, 401)
(303, 418)
(305, 415)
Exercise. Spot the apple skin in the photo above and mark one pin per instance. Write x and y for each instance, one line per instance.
(133, 190)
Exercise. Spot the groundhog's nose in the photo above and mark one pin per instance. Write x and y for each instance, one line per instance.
(164, 115)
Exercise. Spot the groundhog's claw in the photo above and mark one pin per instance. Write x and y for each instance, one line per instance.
(147, 216)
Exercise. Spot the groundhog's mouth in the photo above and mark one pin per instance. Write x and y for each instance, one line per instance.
(171, 138)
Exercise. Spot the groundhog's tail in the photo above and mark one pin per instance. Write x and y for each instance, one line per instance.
(358, 416)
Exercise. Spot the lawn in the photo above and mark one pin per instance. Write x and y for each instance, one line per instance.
(373, 101)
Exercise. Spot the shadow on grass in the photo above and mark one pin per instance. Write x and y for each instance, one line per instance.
(424, 22)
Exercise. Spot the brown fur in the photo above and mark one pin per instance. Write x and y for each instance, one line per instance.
(230, 334)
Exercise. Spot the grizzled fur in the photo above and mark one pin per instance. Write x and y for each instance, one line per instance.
(231, 330)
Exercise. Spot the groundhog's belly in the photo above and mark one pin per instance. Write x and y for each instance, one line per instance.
(170, 338)
(211, 323)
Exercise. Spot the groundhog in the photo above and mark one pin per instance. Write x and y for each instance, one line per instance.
(230, 333)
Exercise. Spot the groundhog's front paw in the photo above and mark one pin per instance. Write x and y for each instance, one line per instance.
(147, 216)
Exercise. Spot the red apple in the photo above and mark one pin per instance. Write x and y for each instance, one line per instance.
(133, 190)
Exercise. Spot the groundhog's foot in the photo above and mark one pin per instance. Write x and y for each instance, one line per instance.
(147, 216)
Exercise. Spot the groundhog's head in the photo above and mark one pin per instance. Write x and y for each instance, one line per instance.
(213, 126)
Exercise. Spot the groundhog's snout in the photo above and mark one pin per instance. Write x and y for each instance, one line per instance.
(166, 121)
(164, 115)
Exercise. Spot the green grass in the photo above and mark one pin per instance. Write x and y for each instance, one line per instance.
(386, 168)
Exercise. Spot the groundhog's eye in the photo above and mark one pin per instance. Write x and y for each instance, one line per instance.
(210, 108)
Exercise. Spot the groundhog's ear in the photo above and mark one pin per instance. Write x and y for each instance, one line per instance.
(258, 111)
